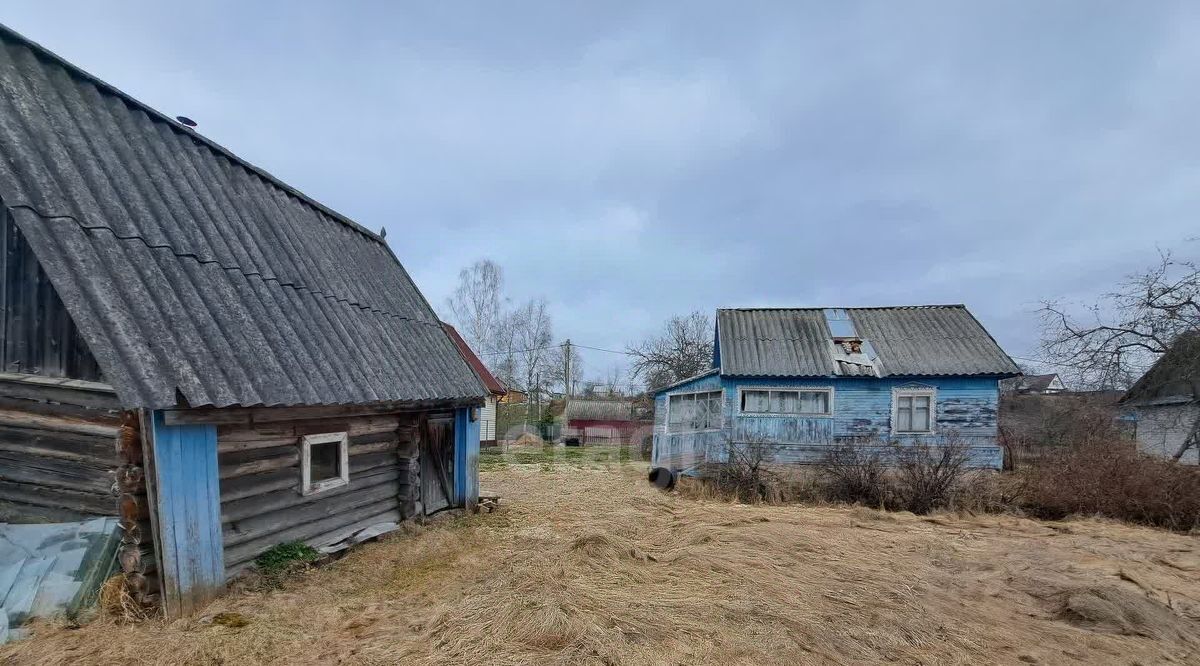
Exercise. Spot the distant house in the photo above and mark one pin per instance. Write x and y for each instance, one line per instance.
(1166, 401)
(1033, 384)
(496, 389)
(594, 421)
(201, 351)
(513, 396)
(806, 379)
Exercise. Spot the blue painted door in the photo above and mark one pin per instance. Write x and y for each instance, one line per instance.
(187, 503)
(466, 456)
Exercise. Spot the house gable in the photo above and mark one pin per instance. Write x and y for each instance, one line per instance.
(37, 334)
(190, 272)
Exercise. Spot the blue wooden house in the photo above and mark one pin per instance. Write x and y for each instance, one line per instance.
(201, 351)
(806, 379)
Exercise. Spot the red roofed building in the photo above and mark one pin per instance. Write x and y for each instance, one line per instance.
(496, 388)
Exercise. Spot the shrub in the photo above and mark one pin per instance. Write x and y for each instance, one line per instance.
(747, 473)
(928, 475)
(915, 476)
(855, 474)
(1112, 479)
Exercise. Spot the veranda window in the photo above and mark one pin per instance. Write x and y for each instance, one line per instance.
(799, 402)
(689, 412)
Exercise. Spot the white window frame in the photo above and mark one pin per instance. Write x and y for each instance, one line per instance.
(307, 485)
(811, 389)
(721, 421)
(915, 392)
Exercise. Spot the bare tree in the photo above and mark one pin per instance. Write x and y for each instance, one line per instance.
(683, 349)
(615, 380)
(532, 337)
(1120, 337)
(477, 305)
(556, 368)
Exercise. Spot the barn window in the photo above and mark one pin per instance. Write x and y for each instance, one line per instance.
(914, 410)
(690, 412)
(788, 402)
(324, 462)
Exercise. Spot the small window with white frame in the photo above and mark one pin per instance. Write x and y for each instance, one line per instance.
(692, 412)
(324, 462)
(914, 410)
(787, 402)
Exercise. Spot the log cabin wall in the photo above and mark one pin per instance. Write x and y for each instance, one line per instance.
(58, 449)
(260, 480)
(136, 554)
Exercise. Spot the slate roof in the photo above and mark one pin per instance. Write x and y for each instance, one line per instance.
(493, 385)
(1173, 379)
(187, 269)
(598, 410)
(929, 340)
(1031, 383)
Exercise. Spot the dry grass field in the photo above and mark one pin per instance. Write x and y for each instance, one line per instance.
(586, 563)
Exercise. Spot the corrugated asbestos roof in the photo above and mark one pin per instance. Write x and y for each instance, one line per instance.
(186, 268)
(598, 410)
(1173, 379)
(493, 385)
(917, 340)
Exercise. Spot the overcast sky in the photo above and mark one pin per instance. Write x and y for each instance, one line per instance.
(630, 162)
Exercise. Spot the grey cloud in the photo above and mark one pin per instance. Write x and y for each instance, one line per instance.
(631, 161)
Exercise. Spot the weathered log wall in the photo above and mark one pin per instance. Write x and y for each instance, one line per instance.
(261, 502)
(58, 449)
(136, 554)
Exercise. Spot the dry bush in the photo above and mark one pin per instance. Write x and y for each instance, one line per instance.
(987, 491)
(929, 474)
(856, 474)
(746, 473)
(1034, 427)
(1089, 466)
(916, 476)
(1112, 479)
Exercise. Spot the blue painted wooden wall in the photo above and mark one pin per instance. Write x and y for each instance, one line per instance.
(466, 458)
(862, 408)
(187, 504)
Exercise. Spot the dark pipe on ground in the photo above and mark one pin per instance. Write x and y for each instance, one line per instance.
(663, 478)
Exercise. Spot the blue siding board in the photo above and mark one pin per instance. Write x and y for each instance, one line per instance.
(187, 501)
(862, 410)
(466, 458)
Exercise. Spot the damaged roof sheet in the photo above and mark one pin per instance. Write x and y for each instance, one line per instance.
(907, 341)
(185, 268)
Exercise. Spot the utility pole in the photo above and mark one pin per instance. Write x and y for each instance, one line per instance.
(567, 373)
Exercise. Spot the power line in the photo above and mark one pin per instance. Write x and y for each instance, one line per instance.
(601, 349)
(521, 351)
(557, 346)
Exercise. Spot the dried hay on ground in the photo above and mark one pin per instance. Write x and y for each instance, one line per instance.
(584, 565)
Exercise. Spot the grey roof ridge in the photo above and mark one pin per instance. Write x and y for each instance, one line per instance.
(843, 307)
(706, 373)
(155, 114)
(248, 274)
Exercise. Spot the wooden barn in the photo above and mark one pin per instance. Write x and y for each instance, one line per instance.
(592, 421)
(202, 351)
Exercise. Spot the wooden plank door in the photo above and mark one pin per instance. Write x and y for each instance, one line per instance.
(437, 464)
(187, 514)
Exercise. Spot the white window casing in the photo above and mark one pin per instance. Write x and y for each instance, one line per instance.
(312, 486)
(914, 410)
(790, 401)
